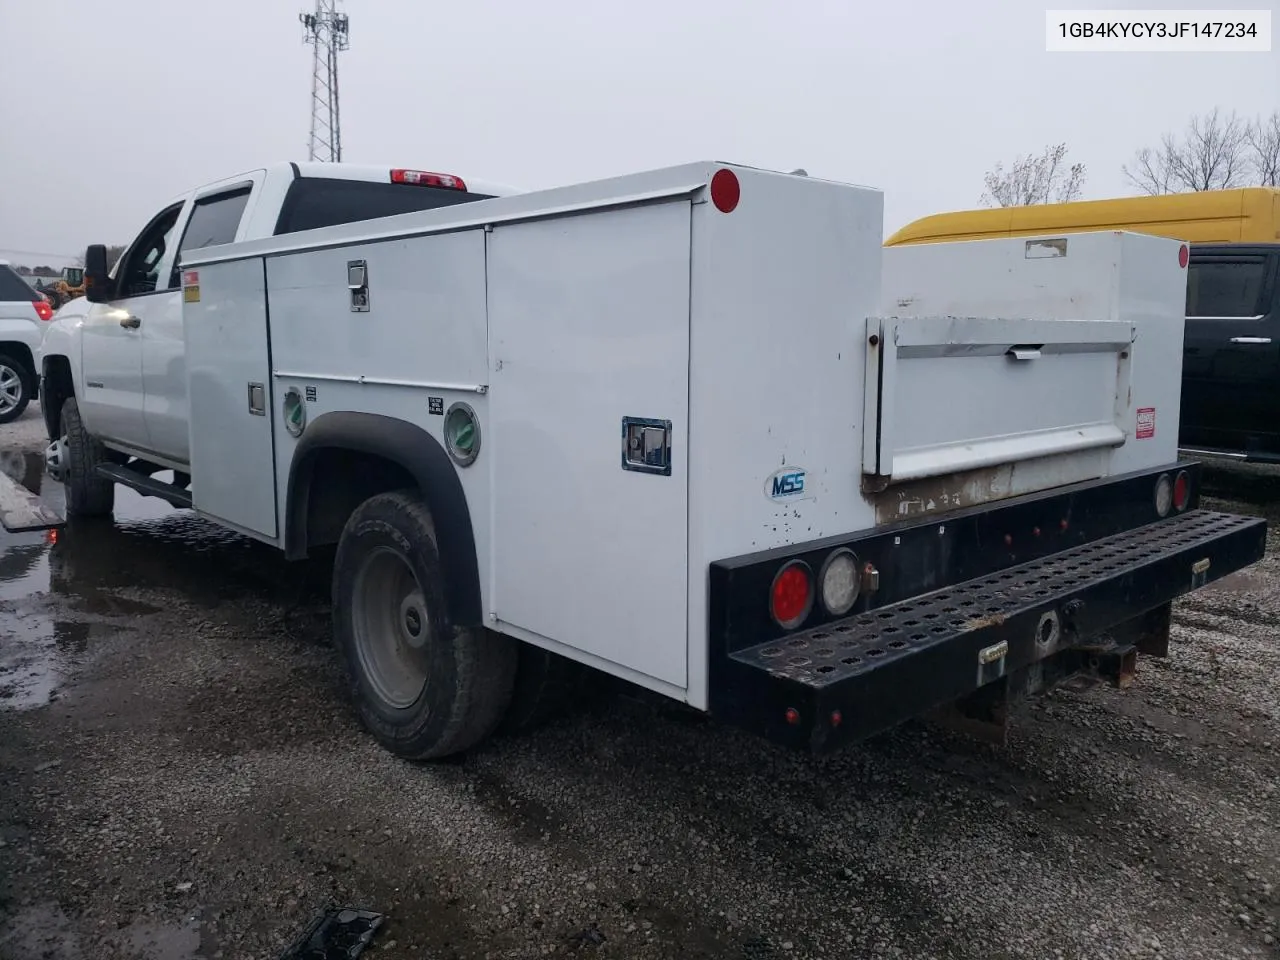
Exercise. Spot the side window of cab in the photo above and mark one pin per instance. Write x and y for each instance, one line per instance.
(138, 272)
(214, 220)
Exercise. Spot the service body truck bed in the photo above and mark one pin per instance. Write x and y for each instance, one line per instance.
(663, 425)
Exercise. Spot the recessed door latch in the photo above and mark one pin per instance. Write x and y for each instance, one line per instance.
(358, 284)
(258, 399)
(646, 445)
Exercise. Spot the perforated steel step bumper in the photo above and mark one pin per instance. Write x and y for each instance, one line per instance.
(849, 678)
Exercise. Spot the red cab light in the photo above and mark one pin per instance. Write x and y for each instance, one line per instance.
(1181, 491)
(791, 596)
(726, 191)
(421, 178)
(43, 310)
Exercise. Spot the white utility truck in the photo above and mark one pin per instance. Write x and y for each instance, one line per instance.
(692, 427)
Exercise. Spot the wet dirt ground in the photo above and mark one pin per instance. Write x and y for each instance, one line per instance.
(180, 777)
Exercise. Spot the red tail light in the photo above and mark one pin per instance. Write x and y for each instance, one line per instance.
(1181, 491)
(43, 309)
(421, 178)
(791, 596)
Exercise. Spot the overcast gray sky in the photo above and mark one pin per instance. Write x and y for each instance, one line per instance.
(104, 115)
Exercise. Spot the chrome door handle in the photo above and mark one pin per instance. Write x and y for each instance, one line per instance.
(1250, 339)
(131, 323)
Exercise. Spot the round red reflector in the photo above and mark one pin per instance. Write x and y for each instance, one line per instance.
(793, 716)
(1181, 491)
(836, 718)
(791, 597)
(1183, 255)
(725, 190)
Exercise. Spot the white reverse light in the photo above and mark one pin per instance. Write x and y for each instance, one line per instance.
(839, 582)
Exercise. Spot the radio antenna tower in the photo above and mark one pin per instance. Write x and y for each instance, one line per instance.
(326, 30)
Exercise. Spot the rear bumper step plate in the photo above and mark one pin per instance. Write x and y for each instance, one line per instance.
(863, 674)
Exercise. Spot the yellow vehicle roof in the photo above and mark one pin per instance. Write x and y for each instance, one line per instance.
(1245, 215)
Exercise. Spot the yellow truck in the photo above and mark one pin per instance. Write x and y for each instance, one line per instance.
(1231, 346)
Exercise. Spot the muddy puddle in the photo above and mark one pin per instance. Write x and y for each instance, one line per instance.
(58, 588)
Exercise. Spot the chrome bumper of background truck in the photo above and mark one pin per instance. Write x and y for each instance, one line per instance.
(832, 682)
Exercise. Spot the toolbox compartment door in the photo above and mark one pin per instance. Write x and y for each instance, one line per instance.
(232, 442)
(947, 394)
(589, 332)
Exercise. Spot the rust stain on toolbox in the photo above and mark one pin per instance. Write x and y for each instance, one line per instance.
(969, 488)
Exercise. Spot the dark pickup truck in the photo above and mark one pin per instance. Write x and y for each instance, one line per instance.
(1231, 354)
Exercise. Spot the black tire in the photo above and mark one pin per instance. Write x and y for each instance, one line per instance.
(86, 493)
(458, 681)
(544, 689)
(15, 370)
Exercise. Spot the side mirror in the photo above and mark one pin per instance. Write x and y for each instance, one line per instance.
(96, 281)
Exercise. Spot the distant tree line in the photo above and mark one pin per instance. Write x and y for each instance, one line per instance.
(1216, 151)
(40, 271)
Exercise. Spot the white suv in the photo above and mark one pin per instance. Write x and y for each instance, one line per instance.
(23, 314)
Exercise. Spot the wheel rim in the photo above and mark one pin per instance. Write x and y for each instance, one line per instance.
(10, 388)
(55, 459)
(391, 626)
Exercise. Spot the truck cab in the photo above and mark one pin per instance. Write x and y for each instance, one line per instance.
(119, 351)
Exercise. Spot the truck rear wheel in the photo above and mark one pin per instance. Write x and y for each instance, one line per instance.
(424, 687)
(73, 459)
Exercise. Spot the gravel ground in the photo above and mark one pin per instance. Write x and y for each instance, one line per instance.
(182, 778)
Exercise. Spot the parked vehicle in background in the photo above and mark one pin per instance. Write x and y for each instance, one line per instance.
(24, 314)
(1231, 349)
(657, 426)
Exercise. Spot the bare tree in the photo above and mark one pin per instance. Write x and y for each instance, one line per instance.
(1152, 172)
(1213, 154)
(1263, 140)
(1032, 179)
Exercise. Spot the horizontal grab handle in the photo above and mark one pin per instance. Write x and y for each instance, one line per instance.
(1024, 351)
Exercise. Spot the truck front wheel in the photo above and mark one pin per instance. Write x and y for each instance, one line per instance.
(423, 686)
(73, 459)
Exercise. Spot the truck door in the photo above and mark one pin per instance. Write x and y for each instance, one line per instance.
(111, 337)
(215, 219)
(1231, 362)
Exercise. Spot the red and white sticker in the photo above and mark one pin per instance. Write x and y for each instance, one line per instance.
(190, 278)
(1146, 423)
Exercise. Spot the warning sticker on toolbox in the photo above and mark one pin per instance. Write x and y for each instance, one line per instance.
(191, 286)
(1146, 423)
(191, 278)
(191, 294)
